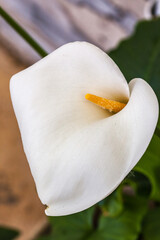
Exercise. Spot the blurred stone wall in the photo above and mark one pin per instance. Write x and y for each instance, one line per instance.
(56, 22)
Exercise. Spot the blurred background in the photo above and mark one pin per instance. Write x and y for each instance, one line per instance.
(52, 23)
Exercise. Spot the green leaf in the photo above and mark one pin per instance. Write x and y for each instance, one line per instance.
(7, 233)
(76, 226)
(139, 56)
(151, 225)
(113, 204)
(149, 165)
(140, 183)
(126, 226)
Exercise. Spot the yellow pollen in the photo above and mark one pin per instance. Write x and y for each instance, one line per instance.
(110, 105)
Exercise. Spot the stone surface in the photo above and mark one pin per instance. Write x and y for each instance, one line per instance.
(56, 22)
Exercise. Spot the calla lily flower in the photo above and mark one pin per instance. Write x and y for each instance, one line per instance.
(79, 151)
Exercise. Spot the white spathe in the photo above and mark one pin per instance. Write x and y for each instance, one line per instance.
(79, 153)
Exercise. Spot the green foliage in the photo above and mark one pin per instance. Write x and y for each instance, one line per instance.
(8, 234)
(124, 226)
(139, 56)
(149, 165)
(151, 225)
(76, 226)
(113, 204)
(139, 183)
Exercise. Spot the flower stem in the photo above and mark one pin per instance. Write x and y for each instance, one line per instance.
(22, 33)
(157, 132)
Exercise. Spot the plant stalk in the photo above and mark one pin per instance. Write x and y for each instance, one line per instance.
(157, 132)
(22, 33)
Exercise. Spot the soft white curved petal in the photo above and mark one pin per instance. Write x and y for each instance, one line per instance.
(77, 153)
